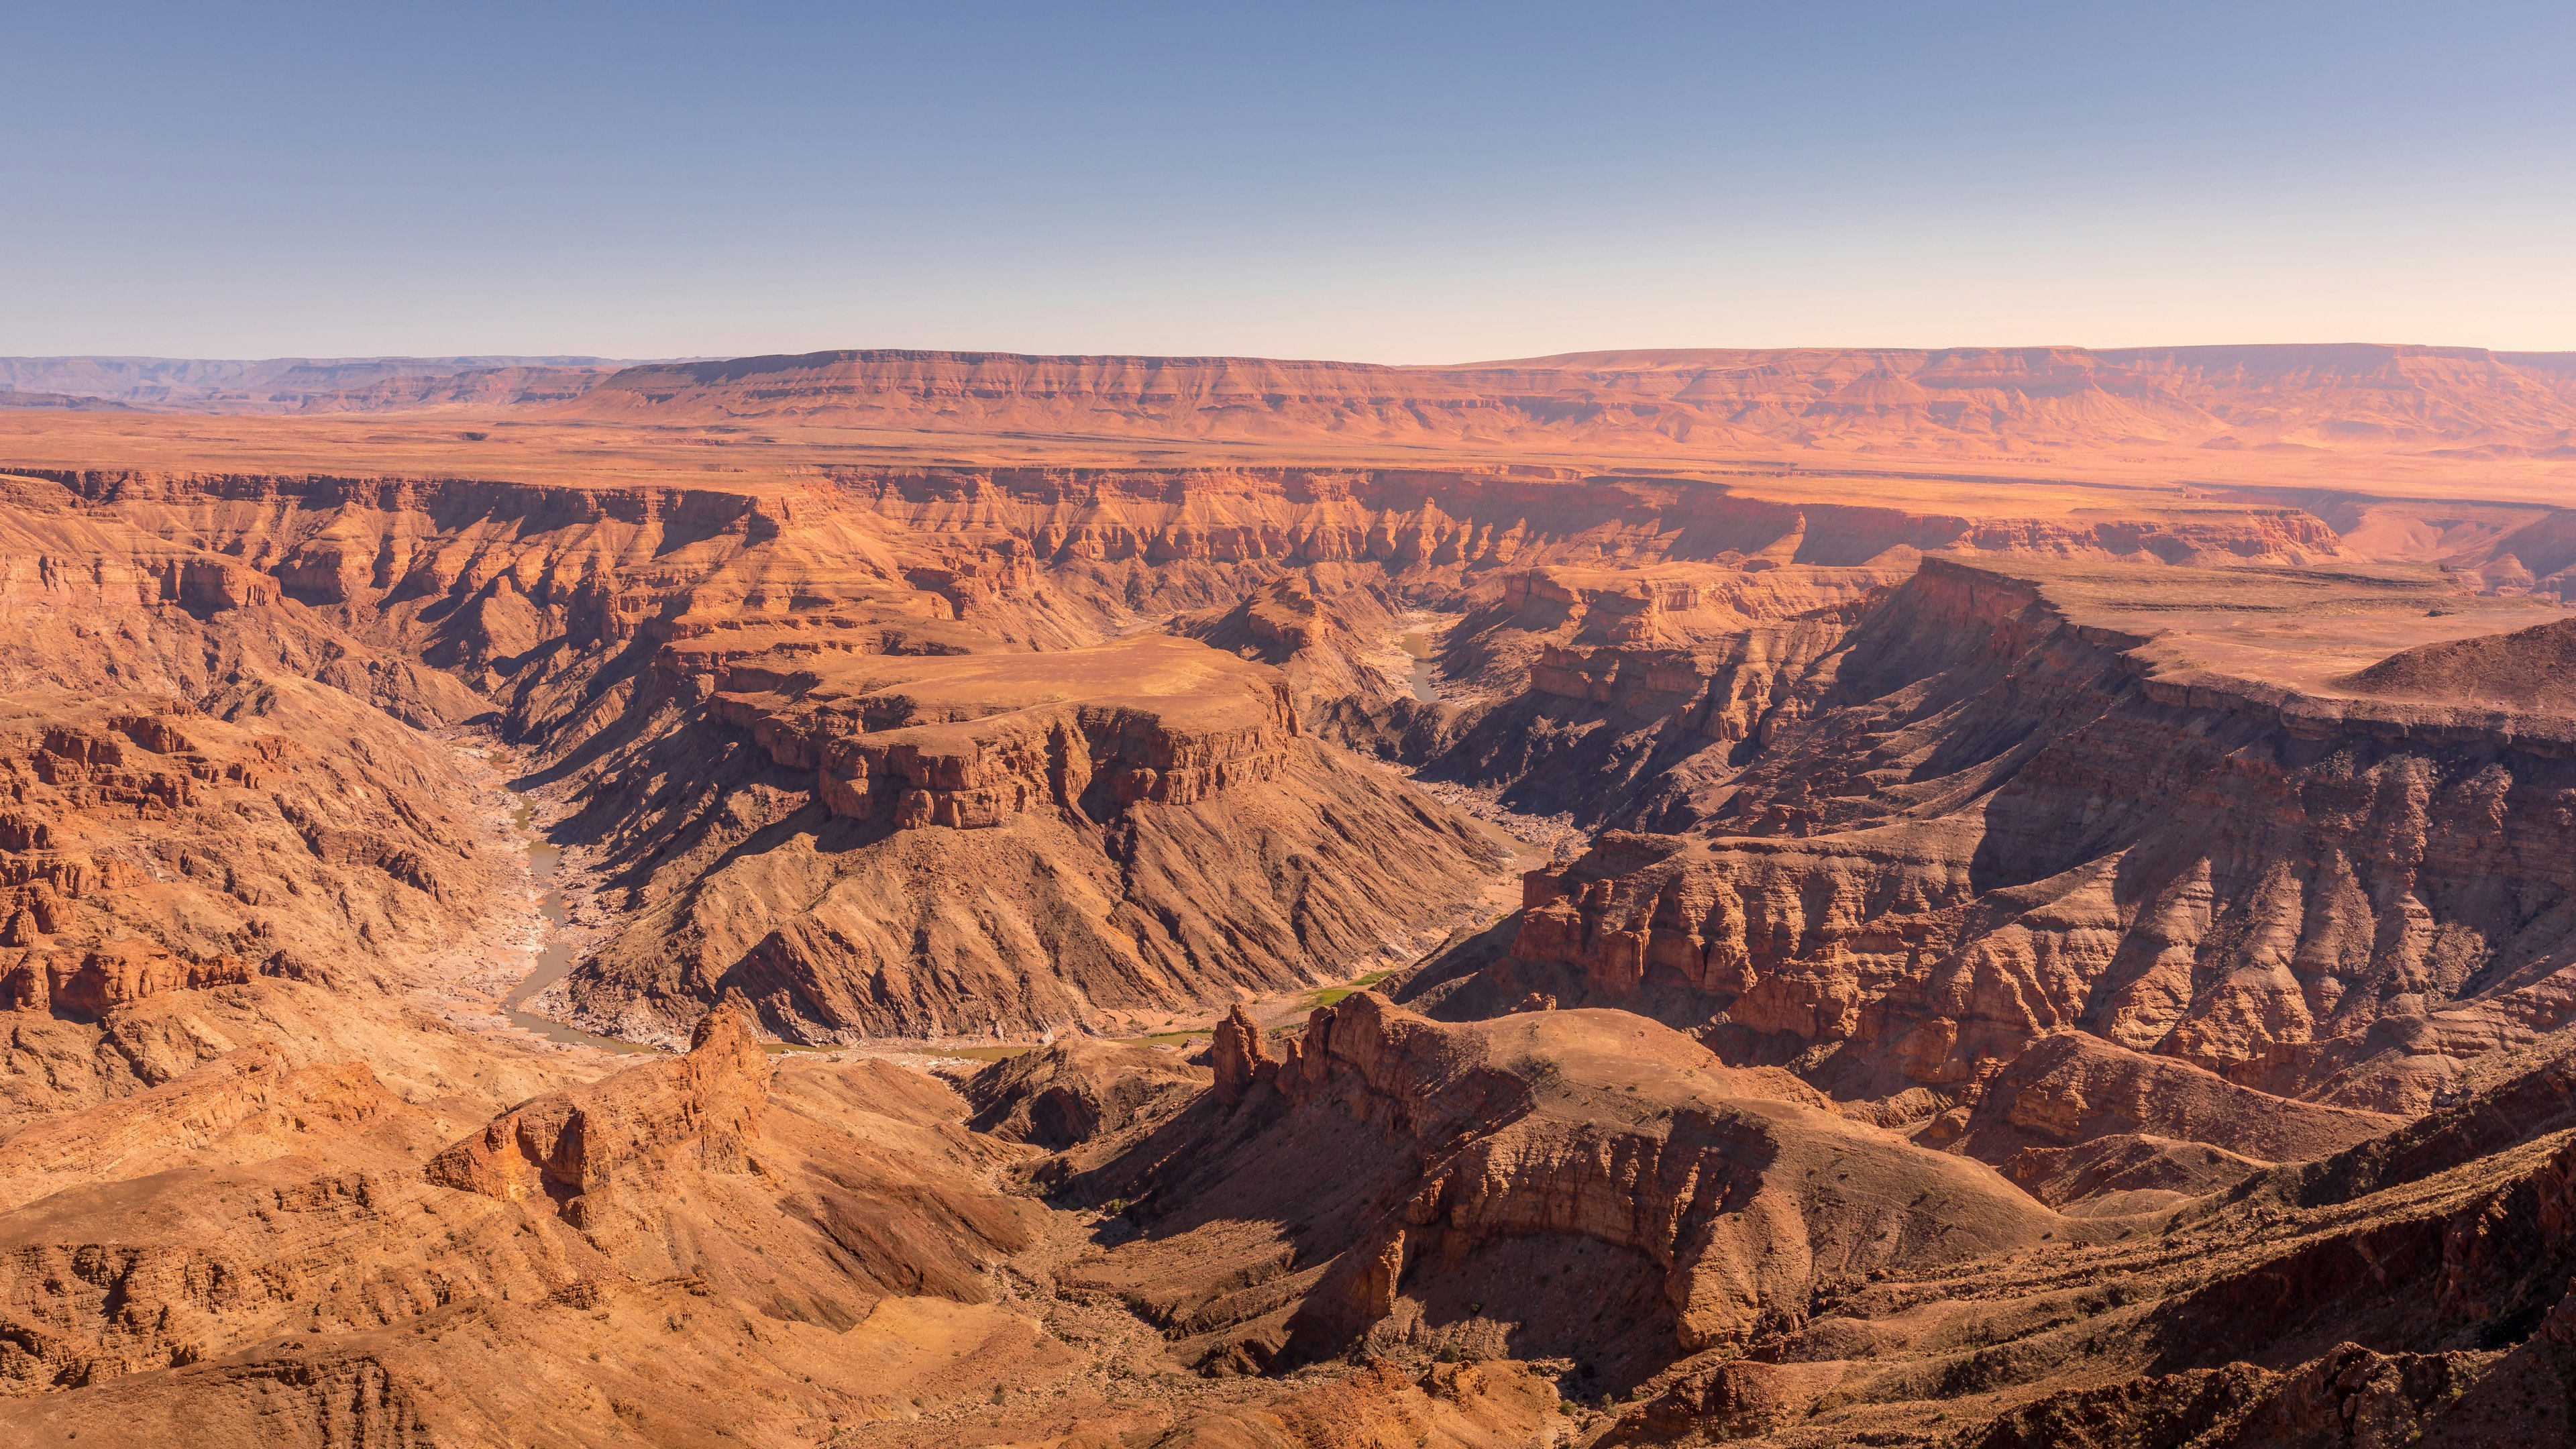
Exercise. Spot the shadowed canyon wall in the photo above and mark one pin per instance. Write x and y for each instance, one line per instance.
(2091, 971)
(1981, 810)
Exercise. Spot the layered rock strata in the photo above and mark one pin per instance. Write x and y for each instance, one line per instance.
(1420, 1188)
(146, 847)
(970, 741)
(2384, 400)
(1002, 842)
(2000, 817)
(1455, 1157)
(593, 1227)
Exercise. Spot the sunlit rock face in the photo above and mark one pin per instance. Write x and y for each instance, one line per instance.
(1647, 899)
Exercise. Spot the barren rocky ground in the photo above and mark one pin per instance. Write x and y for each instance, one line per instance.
(1954, 955)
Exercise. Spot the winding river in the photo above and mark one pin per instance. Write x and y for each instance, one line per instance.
(554, 957)
(1425, 678)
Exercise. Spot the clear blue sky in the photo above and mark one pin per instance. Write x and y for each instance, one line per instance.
(1401, 183)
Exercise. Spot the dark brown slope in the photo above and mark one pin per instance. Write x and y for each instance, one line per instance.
(2530, 669)
(999, 842)
(676, 1253)
(2007, 801)
(1701, 1254)
(1583, 1185)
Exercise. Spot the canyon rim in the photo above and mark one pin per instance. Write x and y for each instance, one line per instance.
(912, 899)
(1288, 727)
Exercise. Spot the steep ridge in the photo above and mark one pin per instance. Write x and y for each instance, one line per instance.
(2490, 546)
(215, 821)
(603, 621)
(149, 843)
(1333, 648)
(1701, 1254)
(2414, 1288)
(1113, 523)
(2216, 397)
(583, 1229)
(1589, 692)
(2043, 975)
(1368, 1180)
(2390, 399)
(1002, 842)
(2530, 669)
(2026, 799)
(564, 600)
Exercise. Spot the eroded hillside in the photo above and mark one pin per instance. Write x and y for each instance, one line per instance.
(1446, 954)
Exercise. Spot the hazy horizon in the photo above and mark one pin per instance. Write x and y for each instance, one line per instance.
(591, 360)
(1422, 187)
(594, 360)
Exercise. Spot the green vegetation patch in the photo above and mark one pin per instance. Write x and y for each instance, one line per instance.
(985, 1054)
(1331, 994)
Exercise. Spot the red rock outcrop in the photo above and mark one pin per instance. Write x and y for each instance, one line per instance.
(1073, 1091)
(1450, 1406)
(1329, 633)
(2115, 877)
(707, 1104)
(254, 1242)
(1001, 841)
(2351, 1396)
(95, 982)
(1423, 1159)
(146, 847)
(1134, 529)
(629, 616)
(969, 741)
(551, 596)
(2074, 1087)
(1999, 821)
(1240, 1058)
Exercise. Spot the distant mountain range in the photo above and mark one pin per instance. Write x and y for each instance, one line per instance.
(292, 384)
(2467, 402)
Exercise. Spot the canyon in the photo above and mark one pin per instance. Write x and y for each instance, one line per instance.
(1979, 898)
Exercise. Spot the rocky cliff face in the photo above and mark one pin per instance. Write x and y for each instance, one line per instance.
(1107, 521)
(706, 1106)
(147, 846)
(1002, 841)
(2092, 974)
(567, 598)
(2374, 400)
(639, 627)
(1623, 702)
(1997, 821)
(959, 741)
(1710, 1254)
(311, 1218)
(304, 384)
(1422, 1165)
(617, 624)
